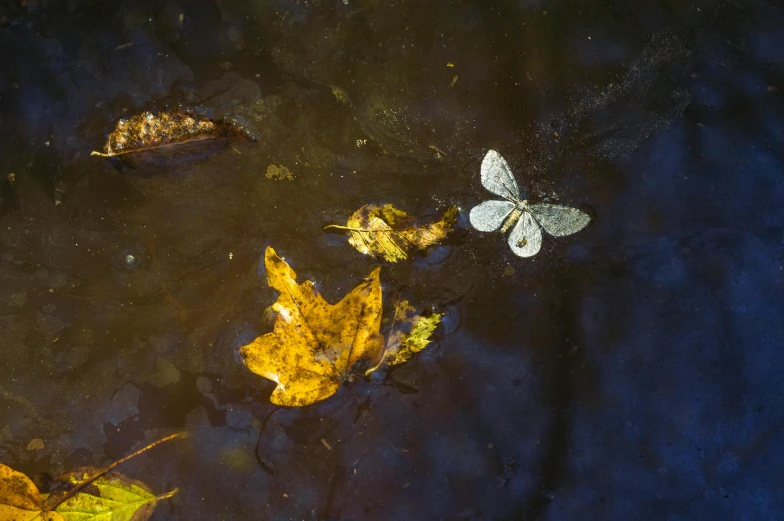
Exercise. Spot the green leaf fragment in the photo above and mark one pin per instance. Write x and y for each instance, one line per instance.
(410, 334)
(416, 340)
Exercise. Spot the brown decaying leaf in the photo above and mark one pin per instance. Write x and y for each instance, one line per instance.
(148, 131)
(390, 233)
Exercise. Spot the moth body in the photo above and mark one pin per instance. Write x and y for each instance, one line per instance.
(513, 217)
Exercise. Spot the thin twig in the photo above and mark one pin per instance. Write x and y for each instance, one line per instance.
(80, 486)
(192, 141)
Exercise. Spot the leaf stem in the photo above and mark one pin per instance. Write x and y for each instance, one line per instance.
(386, 340)
(167, 495)
(336, 227)
(192, 141)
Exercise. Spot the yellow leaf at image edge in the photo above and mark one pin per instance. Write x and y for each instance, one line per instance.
(314, 345)
(20, 499)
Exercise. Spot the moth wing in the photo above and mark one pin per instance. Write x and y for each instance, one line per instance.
(559, 220)
(497, 176)
(490, 215)
(526, 237)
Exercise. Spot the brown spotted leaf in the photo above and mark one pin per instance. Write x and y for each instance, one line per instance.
(148, 131)
(110, 497)
(385, 231)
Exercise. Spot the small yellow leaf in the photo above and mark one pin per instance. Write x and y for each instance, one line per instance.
(20, 499)
(314, 345)
(148, 131)
(111, 497)
(390, 233)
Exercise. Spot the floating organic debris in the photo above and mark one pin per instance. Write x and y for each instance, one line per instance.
(84, 495)
(340, 94)
(525, 220)
(315, 346)
(35, 444)
(390, 233)
(148, 131)
(278, 173)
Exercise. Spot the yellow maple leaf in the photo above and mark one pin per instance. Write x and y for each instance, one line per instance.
(314, 345)
(390, 233)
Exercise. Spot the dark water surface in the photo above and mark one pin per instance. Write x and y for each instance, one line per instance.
(632, 371)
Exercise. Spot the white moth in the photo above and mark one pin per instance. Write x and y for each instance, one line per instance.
(526, 220)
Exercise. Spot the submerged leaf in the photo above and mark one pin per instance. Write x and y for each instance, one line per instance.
(314, 345)
(148, 131)
(410, 334)
(111, 497)
(20, 499)
(390, 233)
